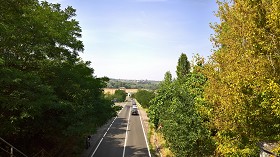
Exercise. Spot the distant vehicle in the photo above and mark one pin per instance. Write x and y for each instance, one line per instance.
(129, 94)
(133, 103)
(115, 100)
(134, 110)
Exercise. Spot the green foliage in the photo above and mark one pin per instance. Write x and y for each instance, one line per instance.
(47, 93)
(176, 111)
(232, 102)
(183, 66)
(120, 95)
(243, 76)
(133, 84)
(117, 108)
(144, 97)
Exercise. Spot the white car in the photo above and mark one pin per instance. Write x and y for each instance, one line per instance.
(134, 110)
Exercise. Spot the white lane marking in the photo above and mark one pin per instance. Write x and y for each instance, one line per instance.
(105, 133)
(126, 132)
(145, 135)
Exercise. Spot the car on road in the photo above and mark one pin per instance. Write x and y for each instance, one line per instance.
(134, 110)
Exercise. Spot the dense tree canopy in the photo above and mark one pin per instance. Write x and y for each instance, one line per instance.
(224, 107)
(244, 76)
(183, 67)
(47, 92)
(144, 97)
(120, 95)
(175, 112)
(133, 84)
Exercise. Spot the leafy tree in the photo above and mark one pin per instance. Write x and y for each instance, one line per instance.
(120, 95)
(177, 108)
(47, 93)
(144, 97)
(183, 67)
(131, 84)
(167, 78)
(160, 97)
(243, 76)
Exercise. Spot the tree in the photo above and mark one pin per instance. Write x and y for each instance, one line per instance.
(178, 108)
(43, 80)
(28, 39)
(120, 95)
(162, 96)
(144, 97)
(183, 67)
(243, 76)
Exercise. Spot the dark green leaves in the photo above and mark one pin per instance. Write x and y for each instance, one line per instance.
(144, 97)
(47, 92)
(183, 66)
(177, 109)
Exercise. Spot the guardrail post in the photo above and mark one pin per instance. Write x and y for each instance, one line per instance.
(12, 149)
(12, 152)
(267, 147)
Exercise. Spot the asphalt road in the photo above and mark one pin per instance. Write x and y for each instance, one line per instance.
(124, 137)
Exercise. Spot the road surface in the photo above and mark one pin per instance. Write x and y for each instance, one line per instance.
(123, 138)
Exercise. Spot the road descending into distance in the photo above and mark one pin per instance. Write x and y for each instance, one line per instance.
(124, 137)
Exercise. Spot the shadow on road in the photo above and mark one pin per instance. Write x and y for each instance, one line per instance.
(135, 152)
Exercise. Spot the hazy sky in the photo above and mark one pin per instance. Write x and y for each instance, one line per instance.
(142, 39)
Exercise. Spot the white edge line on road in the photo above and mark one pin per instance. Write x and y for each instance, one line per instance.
(105, 134)
(145, 135)
(126, 132)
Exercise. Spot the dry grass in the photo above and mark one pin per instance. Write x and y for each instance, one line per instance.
(112, 90)
(158, 144)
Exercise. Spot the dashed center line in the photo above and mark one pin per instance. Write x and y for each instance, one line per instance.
(126, 133)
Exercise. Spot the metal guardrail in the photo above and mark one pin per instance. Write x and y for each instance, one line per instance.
(269, 153)
(42, 153)
(264, 150)
(12, 149)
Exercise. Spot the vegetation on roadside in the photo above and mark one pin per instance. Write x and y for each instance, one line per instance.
(133, 84)
(157, 144)
(175, 111)
(144, 97)
(228, 105)
(49, 97)
(118, 96)
(243, 86)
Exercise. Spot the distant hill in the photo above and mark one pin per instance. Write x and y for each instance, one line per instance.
(132, 84)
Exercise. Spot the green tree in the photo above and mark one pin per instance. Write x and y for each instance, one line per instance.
(183, 67)
(120, 95)
(179, 107)
(144, 97)
(43, 80)
(157, 103)
(243, 76)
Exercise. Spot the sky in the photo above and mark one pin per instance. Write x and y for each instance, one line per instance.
(142, 39)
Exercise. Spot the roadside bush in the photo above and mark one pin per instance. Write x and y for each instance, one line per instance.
(144, 97)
